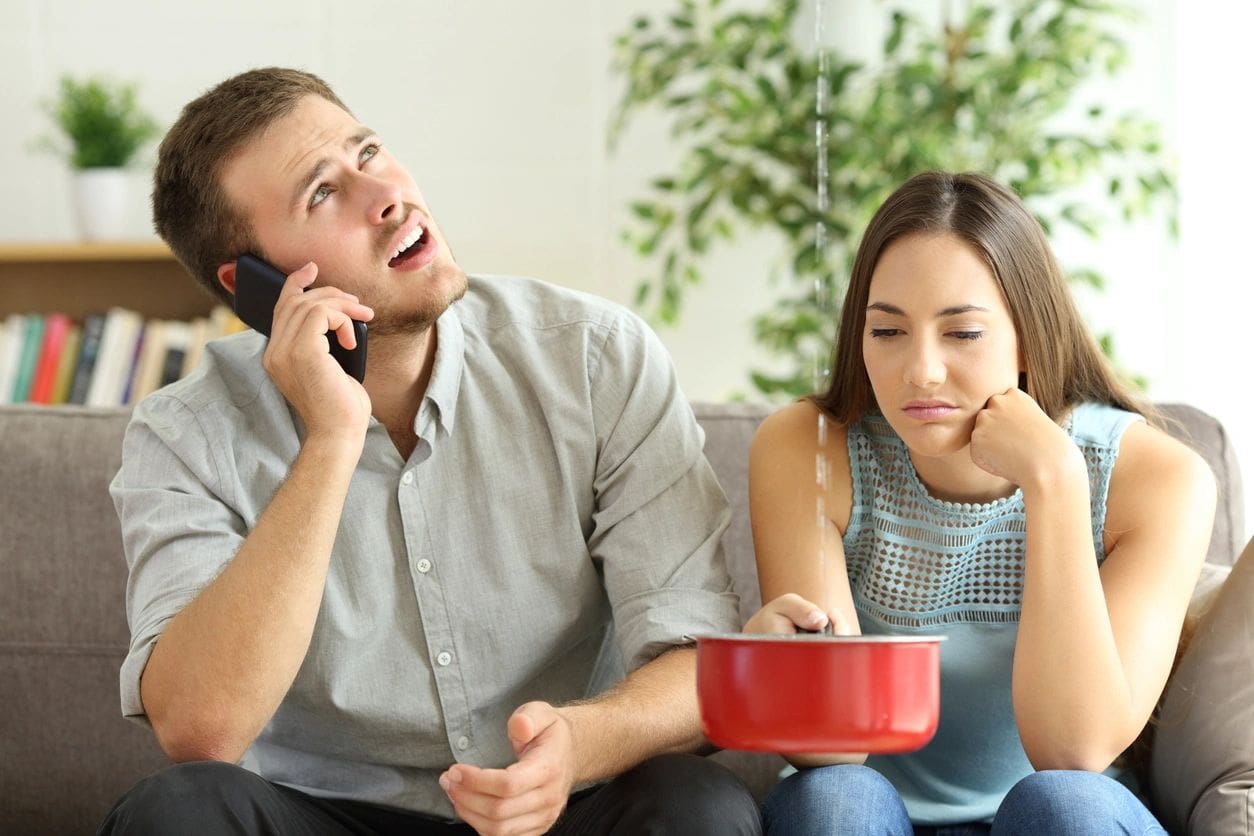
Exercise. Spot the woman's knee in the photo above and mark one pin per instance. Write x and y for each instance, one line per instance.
(1072, 802)
(845, 798)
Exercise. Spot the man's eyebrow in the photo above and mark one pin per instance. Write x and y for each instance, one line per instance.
(955, 310)
(357, 137)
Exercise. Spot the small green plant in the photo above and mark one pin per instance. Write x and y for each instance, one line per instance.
(983, 91)
(102, 120)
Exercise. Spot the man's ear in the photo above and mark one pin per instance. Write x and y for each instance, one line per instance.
(226, 276)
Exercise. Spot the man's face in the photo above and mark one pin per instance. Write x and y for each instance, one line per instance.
(318, 186)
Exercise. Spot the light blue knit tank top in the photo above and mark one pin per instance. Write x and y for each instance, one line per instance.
(920, 565)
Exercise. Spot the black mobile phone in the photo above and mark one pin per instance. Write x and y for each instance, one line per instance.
(257, 286)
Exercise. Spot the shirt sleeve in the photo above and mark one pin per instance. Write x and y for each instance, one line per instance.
(660, 513)
(178, 532)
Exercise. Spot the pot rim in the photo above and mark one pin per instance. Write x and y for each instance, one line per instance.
(818, 638)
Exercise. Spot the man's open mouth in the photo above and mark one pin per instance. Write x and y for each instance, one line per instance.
(410, 247)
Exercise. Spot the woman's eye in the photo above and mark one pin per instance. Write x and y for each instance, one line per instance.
(368, 153)
(319, 195)
(884, 332)
(967, 335)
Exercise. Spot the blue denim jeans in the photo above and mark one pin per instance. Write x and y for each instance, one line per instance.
(850, 799)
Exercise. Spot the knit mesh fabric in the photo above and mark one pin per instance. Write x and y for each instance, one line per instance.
(915, 561)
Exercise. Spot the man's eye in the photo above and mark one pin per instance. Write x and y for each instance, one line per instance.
(368, 152)
(884, 332)
(319, 195)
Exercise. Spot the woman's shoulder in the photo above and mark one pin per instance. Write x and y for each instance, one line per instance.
(1148, 451)
(1155, 470)
(800, 426)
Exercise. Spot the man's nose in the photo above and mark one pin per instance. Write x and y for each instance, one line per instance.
(385, 202)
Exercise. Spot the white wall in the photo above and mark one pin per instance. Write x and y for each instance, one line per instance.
(500, 107)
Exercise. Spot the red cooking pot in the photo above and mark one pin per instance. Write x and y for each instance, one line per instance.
(817, 693)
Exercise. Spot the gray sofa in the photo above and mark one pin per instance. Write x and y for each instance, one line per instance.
(66, 753)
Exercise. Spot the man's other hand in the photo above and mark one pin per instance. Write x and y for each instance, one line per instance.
(528, 796)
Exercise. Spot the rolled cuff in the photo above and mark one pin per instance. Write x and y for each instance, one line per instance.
(650, 623)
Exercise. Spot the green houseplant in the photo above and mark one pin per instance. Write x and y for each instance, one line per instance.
(105, 127)
(984, 91)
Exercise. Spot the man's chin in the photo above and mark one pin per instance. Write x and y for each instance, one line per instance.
(422, 312)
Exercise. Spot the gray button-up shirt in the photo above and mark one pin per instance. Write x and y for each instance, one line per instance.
(556, 524)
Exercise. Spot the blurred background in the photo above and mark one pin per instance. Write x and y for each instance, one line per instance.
(504, 113)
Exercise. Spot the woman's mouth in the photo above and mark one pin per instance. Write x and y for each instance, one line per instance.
(929, 411)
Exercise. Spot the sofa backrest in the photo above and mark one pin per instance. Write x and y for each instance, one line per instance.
(729, 428)
(66, 753)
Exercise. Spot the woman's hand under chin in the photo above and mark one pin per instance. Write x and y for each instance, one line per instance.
(1015, 440)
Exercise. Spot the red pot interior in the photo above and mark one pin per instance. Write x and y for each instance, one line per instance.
(810, 693)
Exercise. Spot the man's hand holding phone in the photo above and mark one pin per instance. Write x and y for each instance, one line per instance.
(298, 358)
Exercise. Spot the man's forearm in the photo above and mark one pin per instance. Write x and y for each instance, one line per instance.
(653, 710)
(223, 664)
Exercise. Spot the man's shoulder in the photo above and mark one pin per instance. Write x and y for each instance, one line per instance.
(494, 302)
(229, 378)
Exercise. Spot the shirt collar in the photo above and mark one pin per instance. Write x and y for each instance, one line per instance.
(446, 371)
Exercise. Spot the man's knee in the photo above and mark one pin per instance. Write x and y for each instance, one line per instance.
(687, 794)
(199, 794)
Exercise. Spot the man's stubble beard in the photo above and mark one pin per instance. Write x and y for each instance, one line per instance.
(414, 322)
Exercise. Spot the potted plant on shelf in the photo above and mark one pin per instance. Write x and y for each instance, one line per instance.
(105, 126)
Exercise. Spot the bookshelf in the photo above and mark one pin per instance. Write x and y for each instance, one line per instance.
(100, 324)
(82, 278)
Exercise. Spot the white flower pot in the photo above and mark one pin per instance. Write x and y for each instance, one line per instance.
(100, 196)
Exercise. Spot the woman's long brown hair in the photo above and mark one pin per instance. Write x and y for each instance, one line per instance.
(1064, 364)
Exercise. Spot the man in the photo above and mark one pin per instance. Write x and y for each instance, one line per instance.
(402, 602)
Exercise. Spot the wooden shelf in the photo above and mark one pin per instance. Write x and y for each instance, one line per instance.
(54, 251)
(81, 278)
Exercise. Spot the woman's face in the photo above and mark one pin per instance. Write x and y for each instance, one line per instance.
(938, 341)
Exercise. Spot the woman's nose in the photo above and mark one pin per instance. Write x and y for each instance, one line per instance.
(925, 366)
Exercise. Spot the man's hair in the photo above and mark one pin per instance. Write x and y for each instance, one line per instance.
(1064, 364)
(191, 210)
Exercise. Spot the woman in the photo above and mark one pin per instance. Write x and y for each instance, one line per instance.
(986, 478)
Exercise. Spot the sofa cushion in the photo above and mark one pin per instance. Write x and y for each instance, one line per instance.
(66, 753)
(1202, 766)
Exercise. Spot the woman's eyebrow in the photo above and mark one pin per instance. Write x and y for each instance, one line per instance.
(954, 310)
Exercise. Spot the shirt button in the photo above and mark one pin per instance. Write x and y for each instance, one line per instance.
(444, 658)
(463, 743)
(407, 478)
(424, 566)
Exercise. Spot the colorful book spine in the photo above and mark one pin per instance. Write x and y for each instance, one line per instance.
(32, 340)
(88, 354)
(56, 327)
(65, 368)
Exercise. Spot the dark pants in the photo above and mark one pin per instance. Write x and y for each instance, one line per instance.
(679, 794)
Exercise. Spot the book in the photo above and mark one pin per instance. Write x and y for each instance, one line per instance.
(118, 341)
(56, 327)
(148, 371)
(176, 344)
(196, 332)
(88, 354)
(10, 350)
(69, 361)
(132, 343)
(32, 339)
